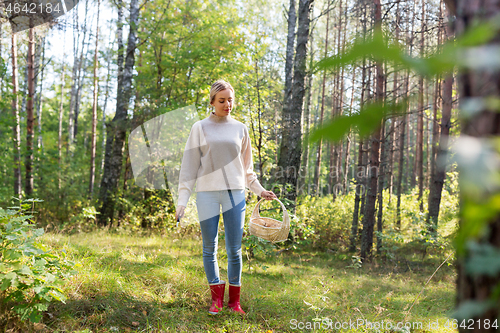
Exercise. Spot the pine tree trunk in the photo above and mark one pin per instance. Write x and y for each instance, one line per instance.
(348, 141)
(439, 170)
(369, 218)
(479, 287)
(380, 200)
(369, 96)
(390, 162)
(402, 157)
(360, 174)
(365, 95)
(357, 200)
(332, 146)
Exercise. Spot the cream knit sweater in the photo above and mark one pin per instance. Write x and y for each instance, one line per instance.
(218, 156)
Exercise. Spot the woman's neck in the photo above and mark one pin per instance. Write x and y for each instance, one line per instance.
(219, 119)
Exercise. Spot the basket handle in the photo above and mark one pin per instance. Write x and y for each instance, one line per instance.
(256, 214)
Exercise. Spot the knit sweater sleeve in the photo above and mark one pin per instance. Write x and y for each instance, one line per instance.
(191, 161)
(251, 180)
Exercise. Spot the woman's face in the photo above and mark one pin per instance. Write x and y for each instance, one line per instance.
(223, 102)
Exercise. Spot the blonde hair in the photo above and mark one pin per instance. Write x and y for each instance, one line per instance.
(218, 86)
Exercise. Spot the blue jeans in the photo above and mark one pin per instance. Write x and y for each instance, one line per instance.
(233, 211)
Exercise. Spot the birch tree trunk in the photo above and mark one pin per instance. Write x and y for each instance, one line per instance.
(395, 93)
(15, 112)
(39, 73)
(103, 121)
(340, 105)
(59, 133)
(28, 186)
(307, 121)
(118, 127)
(322, 113)
(290, 42)
(419, 162)
(290, 149)
(410, 162)
(287, 99)
(72, 101)
(94, 108)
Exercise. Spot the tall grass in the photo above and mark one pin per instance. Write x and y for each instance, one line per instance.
(129, 281)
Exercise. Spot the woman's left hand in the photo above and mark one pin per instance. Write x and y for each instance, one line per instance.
(268, 195)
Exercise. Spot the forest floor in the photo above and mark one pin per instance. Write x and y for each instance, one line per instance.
(129, 283)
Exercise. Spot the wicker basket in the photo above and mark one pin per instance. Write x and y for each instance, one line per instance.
(268, 228)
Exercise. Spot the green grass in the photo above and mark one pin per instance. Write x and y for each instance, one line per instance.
(157, 284)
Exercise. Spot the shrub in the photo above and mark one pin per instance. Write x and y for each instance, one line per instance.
(30, 273)
(330, 219)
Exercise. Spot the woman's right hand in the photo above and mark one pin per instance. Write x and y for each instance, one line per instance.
(179, 214)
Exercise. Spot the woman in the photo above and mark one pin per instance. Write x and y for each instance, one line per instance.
(218, 157)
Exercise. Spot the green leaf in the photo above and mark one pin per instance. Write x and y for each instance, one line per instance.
(49, 278)
(12, 254)
(38, 232)
(26, 271)
(12, 237)
(478, 35)
(9, 280)
(35, 317)
(377, 48)
(41, 306)
(40, 263)
(366, 121)
(57, 296)
(5, 284)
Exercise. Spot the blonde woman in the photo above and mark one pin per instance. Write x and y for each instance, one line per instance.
(218, 158)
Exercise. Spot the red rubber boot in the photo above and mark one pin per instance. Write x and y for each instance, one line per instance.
(234, 299)
(217, 291)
